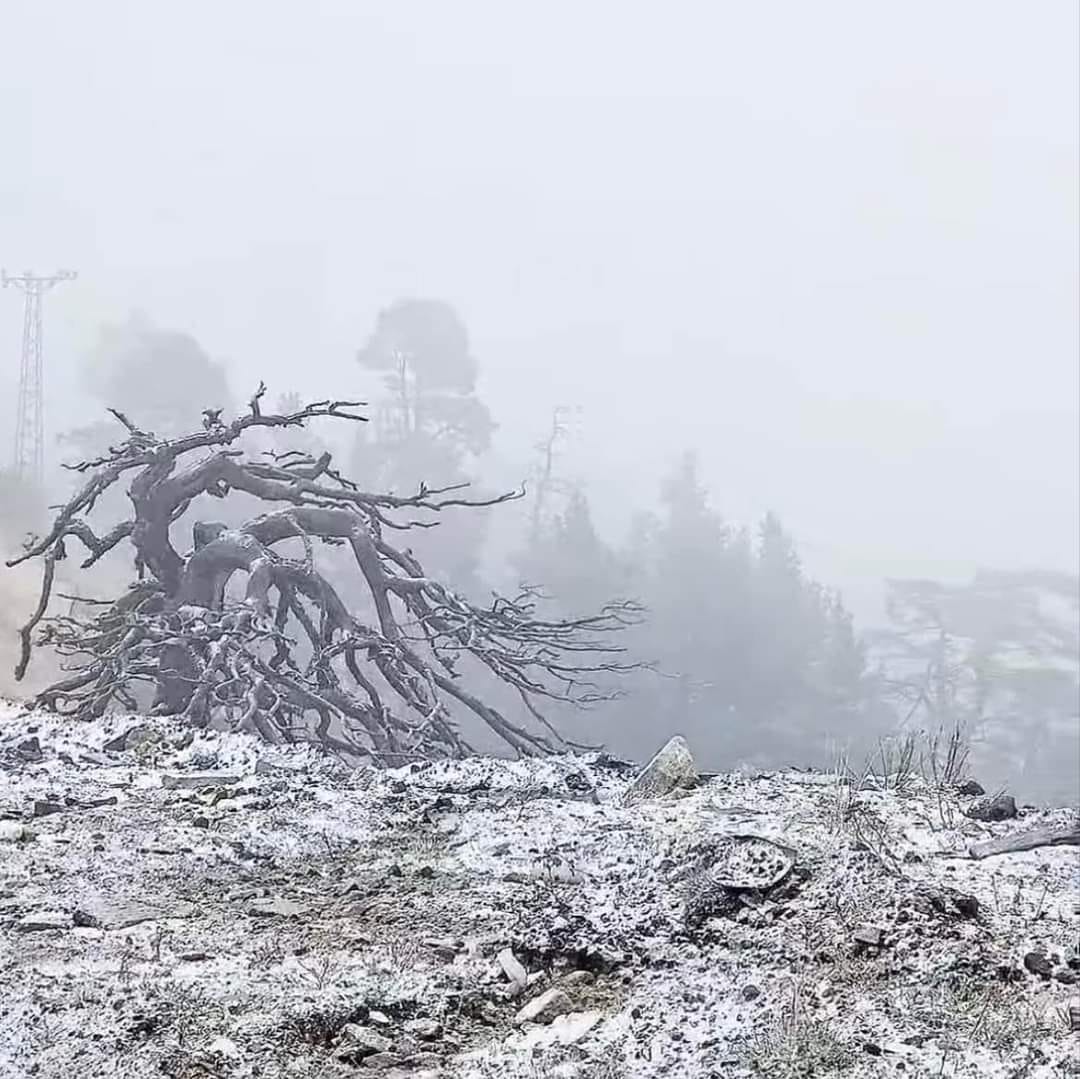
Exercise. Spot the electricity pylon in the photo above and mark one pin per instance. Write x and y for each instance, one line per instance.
(29, 460)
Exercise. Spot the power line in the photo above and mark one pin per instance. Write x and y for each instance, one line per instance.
(29, 462)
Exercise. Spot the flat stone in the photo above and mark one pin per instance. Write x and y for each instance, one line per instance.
(381, 1061)
(91, 803)
(426, 1030)
(120, 914)
(545, 1008)
(671, 769)
(196, 780)
(871, 936)
(275, 907)
(270, 763)
(43, 921)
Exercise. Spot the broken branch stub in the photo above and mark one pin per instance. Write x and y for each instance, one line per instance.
(286, 655)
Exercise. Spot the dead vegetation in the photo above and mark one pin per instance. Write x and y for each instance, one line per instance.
(287, 656)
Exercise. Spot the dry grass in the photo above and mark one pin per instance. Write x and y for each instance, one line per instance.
(795, 1044)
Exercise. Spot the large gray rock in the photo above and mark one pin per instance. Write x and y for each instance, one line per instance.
(672, 768)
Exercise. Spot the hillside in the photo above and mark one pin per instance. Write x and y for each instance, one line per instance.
(200, 905)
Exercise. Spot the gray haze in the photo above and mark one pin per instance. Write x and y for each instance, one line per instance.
(834, 246)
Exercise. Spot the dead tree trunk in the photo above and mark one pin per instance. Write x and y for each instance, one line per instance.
(395, 688)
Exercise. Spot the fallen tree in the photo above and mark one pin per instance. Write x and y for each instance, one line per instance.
(286, 656)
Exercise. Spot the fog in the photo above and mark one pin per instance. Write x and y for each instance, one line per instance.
(833, 247)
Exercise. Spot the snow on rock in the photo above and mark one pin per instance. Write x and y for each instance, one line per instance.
(197, 903)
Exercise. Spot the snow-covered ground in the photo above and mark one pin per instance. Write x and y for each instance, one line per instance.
(200, 905)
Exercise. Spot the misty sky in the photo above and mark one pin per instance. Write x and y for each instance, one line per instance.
(834, 246)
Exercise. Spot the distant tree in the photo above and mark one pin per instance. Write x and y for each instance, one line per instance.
(756, 659)
(997, 657)
(162, 376)
(428, 426)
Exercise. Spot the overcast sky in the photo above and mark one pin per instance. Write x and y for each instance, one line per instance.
(834, 246)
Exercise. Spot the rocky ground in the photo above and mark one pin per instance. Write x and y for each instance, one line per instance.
(187, 906)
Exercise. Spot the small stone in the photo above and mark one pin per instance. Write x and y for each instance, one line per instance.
(512, 968)
(196, 780)
(970, 788)
(1067, 977)
(1000, 807)
(545, 1008)
(43, 808)
(223, 1047)
(750, 992)
(84, 920)
(673, 767)
(194, 957)
(1038, 963)
(30, 750)
(426, 1030)
(275, 907)
(361, 1041)
(380, 1019)
(869, 936)
(43, 922)
(13, 831)
(967, 906)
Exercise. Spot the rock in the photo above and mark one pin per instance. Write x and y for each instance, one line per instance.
(384, 1062)
(122, 914)
(427, 1030)
(141, 739)
(42, 808)
(869, 936)
(671, 768)
(1067, 977)
(29, 749)
(750, 992)
(379, 1019)
(1038, 963)
(13, 831)
(577, 978)
(361, 1041)
(270, 763)
(223, 1047)
(513, 969)
(275, 907)
(43, 921)
(194, 957)
(545, 1008)
(1000, 807)
(195, 780)
(444, 948)
(970, 788)
(90, 803)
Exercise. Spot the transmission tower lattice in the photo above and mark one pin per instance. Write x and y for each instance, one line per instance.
(30, 411)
